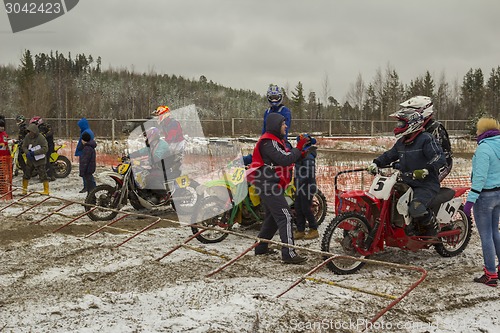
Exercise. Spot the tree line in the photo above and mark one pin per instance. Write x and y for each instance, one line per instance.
(64, 86)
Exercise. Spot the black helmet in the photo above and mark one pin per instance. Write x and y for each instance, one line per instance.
(20, 119)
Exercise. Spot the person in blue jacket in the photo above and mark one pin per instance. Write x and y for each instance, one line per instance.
(84, 128)
(88, 161)
(306, 188)
(275, 99)
(420, 158)
(484, 195)
(157, 152)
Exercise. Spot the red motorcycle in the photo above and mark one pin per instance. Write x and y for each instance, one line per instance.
(366, 221)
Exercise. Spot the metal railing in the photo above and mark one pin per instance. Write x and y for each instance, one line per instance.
(234, 127)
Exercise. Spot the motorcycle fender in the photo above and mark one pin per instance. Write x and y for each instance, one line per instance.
(53, 157)
(448, 209)
(254, 197)
(403, 203)
(220, 192)
(146, 204)
(113, 175)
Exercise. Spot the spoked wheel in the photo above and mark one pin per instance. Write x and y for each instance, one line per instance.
(101, 196)
(319, 207)
(454, 245)
(211, 212)
(62, 167)
(185, 200)
(345, 234)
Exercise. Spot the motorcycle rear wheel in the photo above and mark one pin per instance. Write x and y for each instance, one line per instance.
(455, 245)
(101, 196)
(338, 240)
(211, 213)
(185, 200)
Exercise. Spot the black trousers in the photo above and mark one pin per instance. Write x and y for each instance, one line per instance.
(303, 212)
(278, 218)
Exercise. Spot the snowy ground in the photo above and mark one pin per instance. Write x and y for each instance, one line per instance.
(63, 282)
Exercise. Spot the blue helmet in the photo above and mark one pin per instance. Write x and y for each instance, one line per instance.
(274, 95)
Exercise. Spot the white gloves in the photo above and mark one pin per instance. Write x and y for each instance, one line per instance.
(372, 168)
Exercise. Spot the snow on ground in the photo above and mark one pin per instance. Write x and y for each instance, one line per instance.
(64, 282)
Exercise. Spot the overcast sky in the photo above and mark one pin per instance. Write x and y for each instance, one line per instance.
(249, 44)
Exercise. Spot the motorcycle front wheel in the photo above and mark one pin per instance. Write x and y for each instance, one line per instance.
(319, 207)
(62, 167)
(211, 213)
(101, 196)
(343, 236)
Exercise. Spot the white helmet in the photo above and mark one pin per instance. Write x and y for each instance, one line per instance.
(422, 104)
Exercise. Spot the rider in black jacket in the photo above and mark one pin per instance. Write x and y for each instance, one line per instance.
(423, 104)
(420, 159)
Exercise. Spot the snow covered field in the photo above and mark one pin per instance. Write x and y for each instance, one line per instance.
(63, 282)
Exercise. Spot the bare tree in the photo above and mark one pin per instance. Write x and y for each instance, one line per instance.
(325, 89)
(356, 94)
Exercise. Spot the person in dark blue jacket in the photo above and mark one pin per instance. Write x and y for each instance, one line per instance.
(420, 158)
(88, 161)
(84, 128)
(306, 188)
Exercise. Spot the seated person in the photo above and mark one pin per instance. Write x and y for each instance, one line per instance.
(420, 158)
(158, 155)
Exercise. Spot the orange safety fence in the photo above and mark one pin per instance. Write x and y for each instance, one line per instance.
(5, 177)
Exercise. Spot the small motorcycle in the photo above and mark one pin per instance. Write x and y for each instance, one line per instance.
(128, 188)
(367, 221)
(232, 200)
(61, 164)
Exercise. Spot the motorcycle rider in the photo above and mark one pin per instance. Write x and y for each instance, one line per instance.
(170, 129)
(270, 172)
(46, 131)
(275, 98)
(423, 104)
(420, 159)
(156, 150)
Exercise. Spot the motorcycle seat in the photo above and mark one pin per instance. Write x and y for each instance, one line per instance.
(445, 194)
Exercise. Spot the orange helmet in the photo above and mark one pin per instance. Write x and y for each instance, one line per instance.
(162, 109)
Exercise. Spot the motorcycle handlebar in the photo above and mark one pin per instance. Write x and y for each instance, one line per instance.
(335, 181)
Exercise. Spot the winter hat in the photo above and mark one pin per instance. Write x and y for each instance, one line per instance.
(485, 124)
(86, 137)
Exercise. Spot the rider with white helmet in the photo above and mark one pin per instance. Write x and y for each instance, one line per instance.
(423, 104)
(419, 158)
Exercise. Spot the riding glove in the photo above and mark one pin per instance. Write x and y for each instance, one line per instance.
(420, 174)
(30, 155)
(372, 168)
(302, 143)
